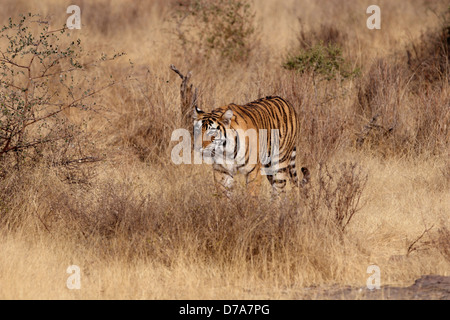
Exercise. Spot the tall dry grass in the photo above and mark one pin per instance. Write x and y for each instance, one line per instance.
(141, 227)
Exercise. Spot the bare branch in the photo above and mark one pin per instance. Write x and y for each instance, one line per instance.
(70, 105)
(6, 60)
(189, 97)
(177, 71)
(78, 161)
(195, 98)
(411, 246)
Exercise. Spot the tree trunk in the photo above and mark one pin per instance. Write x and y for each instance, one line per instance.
(189, 96)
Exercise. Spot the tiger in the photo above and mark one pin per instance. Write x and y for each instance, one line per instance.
(223, 135)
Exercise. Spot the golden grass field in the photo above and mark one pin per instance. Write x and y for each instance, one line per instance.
(141, 227)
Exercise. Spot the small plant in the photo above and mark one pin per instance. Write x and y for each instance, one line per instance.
(42, 77)
(221, 28)
(338, 195)
(324, 60)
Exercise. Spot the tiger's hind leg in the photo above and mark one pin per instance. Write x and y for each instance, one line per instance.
(293, 171)
(278, 182)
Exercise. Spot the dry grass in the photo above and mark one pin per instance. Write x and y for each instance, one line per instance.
(141, 227)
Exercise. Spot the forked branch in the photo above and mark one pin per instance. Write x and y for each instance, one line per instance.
(189, 97)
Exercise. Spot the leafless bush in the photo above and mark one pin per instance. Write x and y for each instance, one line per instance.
(336, 198)
(116, 222)
(396, 121)
(324, 123)
(403, 105)
(429, 58)
(431, 132)
(378, 105)
(377, 93)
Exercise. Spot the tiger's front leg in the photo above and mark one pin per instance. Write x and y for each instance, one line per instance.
(223, 180)
(253, 180)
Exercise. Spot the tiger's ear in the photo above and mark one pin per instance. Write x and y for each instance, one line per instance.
(226, 117)
(196, 112)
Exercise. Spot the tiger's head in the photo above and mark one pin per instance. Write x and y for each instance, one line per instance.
(210, 131)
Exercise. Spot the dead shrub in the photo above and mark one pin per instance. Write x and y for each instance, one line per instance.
(268, 239)
(324, 121)
(378, 93)
(396, 121)
(431, 132)
(428, 58)
(335, 197)
(404, 105)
